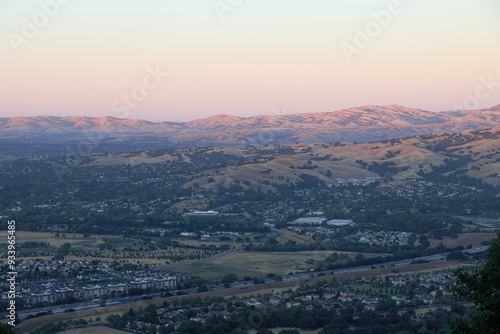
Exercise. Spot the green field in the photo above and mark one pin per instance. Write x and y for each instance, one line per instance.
(255, 264)
(93, 330)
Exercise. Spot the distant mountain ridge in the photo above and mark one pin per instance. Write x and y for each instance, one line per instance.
(361, 124)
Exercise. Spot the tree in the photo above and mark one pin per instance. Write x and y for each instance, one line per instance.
(116, 320)
(229, 278)
(4, 329)
(289, 331)
(308, 322)
(483, 288)
(202, 288)
(456, 255)
(264, 331)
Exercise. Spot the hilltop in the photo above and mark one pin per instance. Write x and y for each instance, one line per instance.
(362, 124)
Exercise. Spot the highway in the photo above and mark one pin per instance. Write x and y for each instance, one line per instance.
(124, 300)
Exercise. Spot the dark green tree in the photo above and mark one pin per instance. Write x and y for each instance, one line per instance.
(289, 331)
(4, 329)
(229, 278)
(483, 288)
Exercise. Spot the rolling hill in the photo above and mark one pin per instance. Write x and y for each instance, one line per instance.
(474, 154)
(361, 124)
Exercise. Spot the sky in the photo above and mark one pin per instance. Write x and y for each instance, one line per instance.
(179, 60)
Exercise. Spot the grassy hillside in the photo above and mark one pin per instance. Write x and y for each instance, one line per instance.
(475, 154)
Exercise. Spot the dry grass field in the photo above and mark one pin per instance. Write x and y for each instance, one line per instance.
(26, 236)
(421, 311)
(93, 330)
(259, 264)
(90, 251)
(278, 329)
(287, 235)
(464, 240)
(199, 243)
(254, 264)
(142, 260)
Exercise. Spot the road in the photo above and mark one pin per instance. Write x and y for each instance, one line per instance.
(125, 300)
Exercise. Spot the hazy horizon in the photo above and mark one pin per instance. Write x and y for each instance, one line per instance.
(277, 113)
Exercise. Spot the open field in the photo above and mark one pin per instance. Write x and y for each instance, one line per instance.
(464, 240)
(421, 311)
(199, 243)
(254, 264)
(258, 263)
(278, 329)
(26, 236)
(287, 235)
(103, 312)
(93, 330)
(87, 249)
(142, 260)
(77, 240)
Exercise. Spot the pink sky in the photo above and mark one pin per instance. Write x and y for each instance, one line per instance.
(256, 58)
